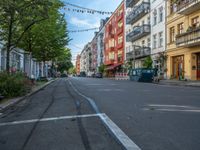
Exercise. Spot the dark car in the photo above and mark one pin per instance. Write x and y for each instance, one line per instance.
(82, 74)
(99, 75)
(64, 75)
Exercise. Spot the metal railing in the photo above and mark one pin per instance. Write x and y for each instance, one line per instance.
(138, 12)
(138, 32)
(189, 38)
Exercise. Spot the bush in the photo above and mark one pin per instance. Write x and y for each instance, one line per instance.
(12, 85)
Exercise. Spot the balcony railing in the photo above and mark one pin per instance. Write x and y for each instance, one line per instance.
(111, 36)
(111, 48)
(138, 32)
(131, 3)
(120, 17)
(120, 45)
(138, 52)
(186, 7)
(189, 38)
(119, 30)
(138, 12)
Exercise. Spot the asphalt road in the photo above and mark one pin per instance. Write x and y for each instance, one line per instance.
(155, 117)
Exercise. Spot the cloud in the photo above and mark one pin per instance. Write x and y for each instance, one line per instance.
(84, 23)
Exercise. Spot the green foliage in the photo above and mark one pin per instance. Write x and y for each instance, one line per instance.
(102, 68)
(17, 17)
(64, 61)
(47, 39)
(12, 85)
(72, 70)
(148, 62)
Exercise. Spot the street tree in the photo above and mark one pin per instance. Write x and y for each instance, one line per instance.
(64, 61)
(17, 17)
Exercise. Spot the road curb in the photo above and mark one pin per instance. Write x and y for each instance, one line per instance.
(17, 100)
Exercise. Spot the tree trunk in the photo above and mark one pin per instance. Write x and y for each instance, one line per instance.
(8, 47)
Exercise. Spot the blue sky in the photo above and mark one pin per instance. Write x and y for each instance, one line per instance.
(78, 21)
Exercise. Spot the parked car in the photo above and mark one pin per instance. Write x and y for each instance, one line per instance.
(64, 75)
(99, 75)
(93, 75)
(82, 74)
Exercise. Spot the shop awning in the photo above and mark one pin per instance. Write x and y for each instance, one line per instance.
(112, 67)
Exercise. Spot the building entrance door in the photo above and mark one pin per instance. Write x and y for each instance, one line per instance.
(178, 67)
(198, 66)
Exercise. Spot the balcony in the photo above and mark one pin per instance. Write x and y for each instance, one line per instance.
(138, 32)
(111, 36)
(189, 38)
(186, 7)
(119, 30)
(131, 3)
(111, 49)
(138, 52)
(120, 17)
(138, 12)
(120, 45)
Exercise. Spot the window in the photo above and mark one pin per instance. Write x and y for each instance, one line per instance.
(143, 43)
(155, 17)
(148, 20)
(195, 22)
(172, 35)
(161, 39)
(173, 7)
(148, 42)
(120, 39)
(160, 14)
(180, 28)
(154, 40)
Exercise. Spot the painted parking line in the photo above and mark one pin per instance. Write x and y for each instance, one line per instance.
(118, 134)
(47, 119)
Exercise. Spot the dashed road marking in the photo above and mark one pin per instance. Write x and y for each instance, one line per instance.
(118, 134)
(47, 119)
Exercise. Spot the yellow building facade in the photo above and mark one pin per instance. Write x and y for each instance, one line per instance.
(183, 39)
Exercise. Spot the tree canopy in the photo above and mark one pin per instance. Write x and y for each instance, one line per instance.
(35, 26)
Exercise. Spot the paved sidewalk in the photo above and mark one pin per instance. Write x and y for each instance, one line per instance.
(180, 83)
(7, 103)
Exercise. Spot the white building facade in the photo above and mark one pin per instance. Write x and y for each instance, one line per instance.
(100, 43)
(138, 32)
(158, 42)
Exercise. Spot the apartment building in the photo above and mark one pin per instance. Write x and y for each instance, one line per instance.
(78, 59)
(94, 52)
(158, 41)
(114, 41)
(183, 39)
(86, 59)
(16, 60)
(138, 29)
(100, 42)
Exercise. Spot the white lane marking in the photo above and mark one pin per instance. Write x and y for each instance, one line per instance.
(110, 90)
(126, 142)
(47, 119)
(172, 110)
(176, 106)
(87, 98)
(118, 133)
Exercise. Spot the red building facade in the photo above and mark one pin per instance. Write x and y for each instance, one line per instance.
(114, 41)
(78, 59)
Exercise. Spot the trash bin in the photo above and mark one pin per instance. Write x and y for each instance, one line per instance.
(141, 75)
